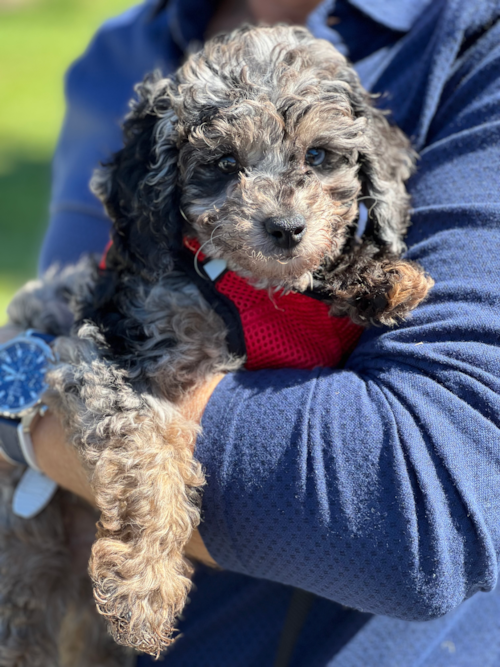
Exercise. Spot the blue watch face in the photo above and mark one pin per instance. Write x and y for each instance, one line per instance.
(23, 364)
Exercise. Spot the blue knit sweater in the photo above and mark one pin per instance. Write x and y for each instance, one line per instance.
(377, 486)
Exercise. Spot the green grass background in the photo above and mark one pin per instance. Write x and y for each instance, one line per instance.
(38, 40)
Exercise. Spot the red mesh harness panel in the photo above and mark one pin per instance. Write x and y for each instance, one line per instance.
(285, 330)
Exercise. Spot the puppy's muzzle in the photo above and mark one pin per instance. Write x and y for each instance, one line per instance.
(286, 232)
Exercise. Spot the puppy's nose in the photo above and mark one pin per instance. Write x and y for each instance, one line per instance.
(286, 232)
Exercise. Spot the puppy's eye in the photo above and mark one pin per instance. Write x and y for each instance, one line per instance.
(315, 157)
(228, 164)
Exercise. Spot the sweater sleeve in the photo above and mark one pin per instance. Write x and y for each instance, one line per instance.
(378, 485)
(98, 88)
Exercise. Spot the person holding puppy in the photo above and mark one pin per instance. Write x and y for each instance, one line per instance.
(375, 487)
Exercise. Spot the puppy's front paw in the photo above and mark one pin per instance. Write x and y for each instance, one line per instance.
(381, 292)
(140, 600)
(146, 485)
(409, 285)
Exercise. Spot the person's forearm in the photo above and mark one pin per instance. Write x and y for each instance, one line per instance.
(62, 464)
(57, 460)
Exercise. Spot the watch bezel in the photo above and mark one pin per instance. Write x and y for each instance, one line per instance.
(27, 337)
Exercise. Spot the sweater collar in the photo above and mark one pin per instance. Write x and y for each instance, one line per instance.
(399, 15)
(189, 18)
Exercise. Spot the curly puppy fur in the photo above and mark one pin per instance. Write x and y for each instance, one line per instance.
(220, 152)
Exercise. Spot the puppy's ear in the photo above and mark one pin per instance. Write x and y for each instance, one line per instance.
(386, 163)
(138, 186)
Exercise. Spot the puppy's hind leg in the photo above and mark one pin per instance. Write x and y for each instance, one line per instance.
(35, 581)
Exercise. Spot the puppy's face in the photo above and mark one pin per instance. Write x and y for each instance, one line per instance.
(268, 172)
(263, 141)
(272, 187)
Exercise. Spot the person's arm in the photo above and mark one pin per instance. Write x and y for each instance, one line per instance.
(98, 88)
(378, 486)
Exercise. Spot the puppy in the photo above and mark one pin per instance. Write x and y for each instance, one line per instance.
(259, 149)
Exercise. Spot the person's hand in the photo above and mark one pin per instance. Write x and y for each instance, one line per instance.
(61, 463)
(194, 408)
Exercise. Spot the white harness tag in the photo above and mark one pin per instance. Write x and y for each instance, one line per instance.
(214, 268)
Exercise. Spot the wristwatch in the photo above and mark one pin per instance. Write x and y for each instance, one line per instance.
(24, 361)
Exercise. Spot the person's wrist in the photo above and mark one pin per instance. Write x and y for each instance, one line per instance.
(57, 459)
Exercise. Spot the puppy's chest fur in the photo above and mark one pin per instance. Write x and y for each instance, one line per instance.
(164, 335)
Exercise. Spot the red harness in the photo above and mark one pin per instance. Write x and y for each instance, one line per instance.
(286, 331)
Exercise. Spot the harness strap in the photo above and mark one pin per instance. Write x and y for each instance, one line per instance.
(222, 305)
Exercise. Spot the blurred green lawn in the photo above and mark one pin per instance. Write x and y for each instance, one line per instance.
(38, 40)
